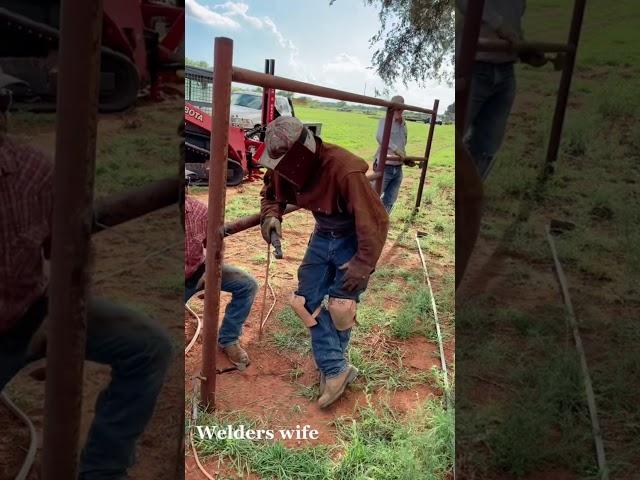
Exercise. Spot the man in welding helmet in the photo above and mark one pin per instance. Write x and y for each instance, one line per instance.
(350, 231)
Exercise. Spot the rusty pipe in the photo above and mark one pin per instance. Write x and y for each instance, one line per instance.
(242, 75)
(77, 109)
(384, 148)
(122, 207)
(565, 86)
(494, 45)
(222, 61)
(427, 152)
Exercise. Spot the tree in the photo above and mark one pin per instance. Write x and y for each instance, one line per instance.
(415, 41)
(196, 63)
(450, 113)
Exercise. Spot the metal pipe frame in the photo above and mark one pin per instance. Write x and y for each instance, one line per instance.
(384, 148)
(487, 45)
(565, 85)
(427, 152)
(121, 208)
(242, 75)
(77, 109)
(471, 44)
(224, 74)
(222, 61)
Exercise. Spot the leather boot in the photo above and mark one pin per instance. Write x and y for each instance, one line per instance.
(334, 387)
(236, 355)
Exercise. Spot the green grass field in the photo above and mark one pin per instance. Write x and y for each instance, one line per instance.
(532, 414)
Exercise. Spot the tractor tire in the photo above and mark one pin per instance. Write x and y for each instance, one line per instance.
(235, 173)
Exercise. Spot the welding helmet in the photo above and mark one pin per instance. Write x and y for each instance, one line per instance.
(290, 150)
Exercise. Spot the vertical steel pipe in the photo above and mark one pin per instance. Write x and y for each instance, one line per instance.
(384, 146)
(77, 108)
(465, 59)
(267, 64)
(565, 84)
(427, 152)
(222, 64)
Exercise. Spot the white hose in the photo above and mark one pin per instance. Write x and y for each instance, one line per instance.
(198, 328)
(33, 447)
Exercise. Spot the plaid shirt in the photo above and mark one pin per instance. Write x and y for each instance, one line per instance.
(26, 201)
(195, 234)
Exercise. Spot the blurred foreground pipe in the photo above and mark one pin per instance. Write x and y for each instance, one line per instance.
(120, 208)
(77, 107)
(487, 45)
(565, 85)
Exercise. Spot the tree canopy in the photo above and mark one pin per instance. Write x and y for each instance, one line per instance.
(415, 41)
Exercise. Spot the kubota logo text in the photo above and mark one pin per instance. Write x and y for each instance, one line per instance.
(192, 113)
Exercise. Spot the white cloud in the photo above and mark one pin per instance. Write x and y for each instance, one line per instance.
(206, 15)
(344, 63)
(238, 9)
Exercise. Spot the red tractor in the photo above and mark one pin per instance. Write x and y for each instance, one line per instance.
(142, 47)
(246, 130)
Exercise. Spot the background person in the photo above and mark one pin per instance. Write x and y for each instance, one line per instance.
(493, 83)
(397, 146)
(350, 232)
(242, 286)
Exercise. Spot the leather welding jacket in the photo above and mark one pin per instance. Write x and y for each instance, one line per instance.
(338, 186)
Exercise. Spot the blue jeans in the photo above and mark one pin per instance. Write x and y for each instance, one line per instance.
(493, 88)
(318, 276)
(390, 185)
(243, 289)
(139, 353)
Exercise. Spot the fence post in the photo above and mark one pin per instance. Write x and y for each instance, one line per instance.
(222, 61)
(565, 85)
(384, 146)
(77, 106)
(427, 152)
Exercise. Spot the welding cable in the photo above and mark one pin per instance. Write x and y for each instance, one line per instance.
(194, 418)
(588, 385)
(33, 447)
(198, 328)
(435, 316)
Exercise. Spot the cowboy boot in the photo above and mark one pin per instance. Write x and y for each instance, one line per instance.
(334, 387)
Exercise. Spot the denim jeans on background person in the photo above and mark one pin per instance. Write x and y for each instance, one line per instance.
(242, 287)
(139, 353)
(390, 185)
(493, 89)
(318, 275)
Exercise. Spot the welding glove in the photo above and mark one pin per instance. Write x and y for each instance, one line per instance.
(356, 275)
(270, 224)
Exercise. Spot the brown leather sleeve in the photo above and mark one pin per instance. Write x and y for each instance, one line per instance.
(371, 219)
(269, 206)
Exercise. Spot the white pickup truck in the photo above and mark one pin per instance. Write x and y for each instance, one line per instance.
(246, 109)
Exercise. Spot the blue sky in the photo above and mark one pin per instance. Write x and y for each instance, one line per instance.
(310, 41)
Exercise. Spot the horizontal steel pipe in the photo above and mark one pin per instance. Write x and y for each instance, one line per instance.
(242, 75)
(486, 45)
(395, 158)
(122, 207)
(250, 221)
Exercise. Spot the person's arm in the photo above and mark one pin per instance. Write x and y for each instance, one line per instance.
(269, 206)
(371, 220)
